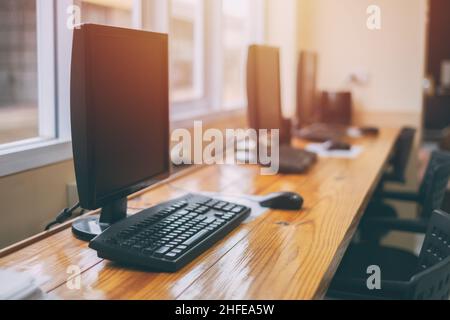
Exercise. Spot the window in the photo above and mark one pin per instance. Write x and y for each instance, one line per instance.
(27, 66)
(209, 41)
(236, 39)
(117, 13)
(186, 50)
(208, 47)
(18, 71)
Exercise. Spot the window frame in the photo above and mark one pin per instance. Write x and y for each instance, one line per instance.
(212, 101)
(199, 52)
(256, 36)
(54, 55)
(53, 143)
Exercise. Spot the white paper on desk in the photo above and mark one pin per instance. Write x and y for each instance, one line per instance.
(243, 200)
(19, 286)
(321, 150)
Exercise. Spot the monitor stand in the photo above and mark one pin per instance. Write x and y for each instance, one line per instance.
(88, 228)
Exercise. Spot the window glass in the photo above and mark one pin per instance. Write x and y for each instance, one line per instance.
(18, 71)
(117, 13)
(236, 35)
(186, 50)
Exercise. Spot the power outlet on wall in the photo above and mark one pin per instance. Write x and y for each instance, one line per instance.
(359, 78)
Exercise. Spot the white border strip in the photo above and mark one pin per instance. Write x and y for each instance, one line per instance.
(27, 157)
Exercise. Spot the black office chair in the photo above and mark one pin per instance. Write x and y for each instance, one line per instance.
(400, 158)
(380, 217)
(403, 275)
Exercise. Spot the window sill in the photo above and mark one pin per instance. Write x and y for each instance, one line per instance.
(207, 117)
(37, 153)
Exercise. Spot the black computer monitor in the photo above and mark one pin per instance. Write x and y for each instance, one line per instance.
(120, 119)
(263, 87)
(264, 91)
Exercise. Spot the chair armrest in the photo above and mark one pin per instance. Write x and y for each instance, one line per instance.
(390, 177)
(402, 196)
(407, 225)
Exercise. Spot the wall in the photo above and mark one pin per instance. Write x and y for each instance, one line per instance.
(31, 199)
(393, 57)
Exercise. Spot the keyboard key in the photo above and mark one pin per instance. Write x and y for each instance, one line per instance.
(161, 251)
(209, 220)
(196, 238)
(170, 256)
(212, 203)
(228, 207)
(238, 209)
(220, 205)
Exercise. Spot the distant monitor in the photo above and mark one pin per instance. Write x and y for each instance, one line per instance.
(120, 119)
(307, 89)
(265, 110)
(264, 90)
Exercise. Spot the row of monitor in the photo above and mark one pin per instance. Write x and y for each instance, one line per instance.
(120, 111)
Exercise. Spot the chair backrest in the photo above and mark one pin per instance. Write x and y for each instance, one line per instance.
(435, 182)
(402, 153)
(432, 282)
(445, 141)
(336, 108)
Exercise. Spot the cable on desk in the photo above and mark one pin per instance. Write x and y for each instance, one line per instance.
(63, 216)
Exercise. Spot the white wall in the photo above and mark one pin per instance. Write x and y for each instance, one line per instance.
(393, 57)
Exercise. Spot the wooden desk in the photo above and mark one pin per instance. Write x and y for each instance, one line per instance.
(280, 255)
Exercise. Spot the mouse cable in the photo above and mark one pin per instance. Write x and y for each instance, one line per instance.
(63, 216)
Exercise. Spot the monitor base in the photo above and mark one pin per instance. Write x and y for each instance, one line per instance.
(88, 228)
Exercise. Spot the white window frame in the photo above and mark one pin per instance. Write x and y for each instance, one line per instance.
(197, 92)
(256, 35)
(212, 100)
(54, 58)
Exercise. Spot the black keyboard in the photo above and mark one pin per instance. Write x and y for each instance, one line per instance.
(170, 235)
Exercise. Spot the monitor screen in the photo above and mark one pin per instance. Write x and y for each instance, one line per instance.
(263, 84)
(127, 116)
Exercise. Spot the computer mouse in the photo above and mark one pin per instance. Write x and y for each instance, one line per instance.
(282, 201)
(369, 131)
(334, 145)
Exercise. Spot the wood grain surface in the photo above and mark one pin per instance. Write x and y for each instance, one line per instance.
(279, 255)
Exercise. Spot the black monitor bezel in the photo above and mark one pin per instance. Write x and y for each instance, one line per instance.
(83, 129)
